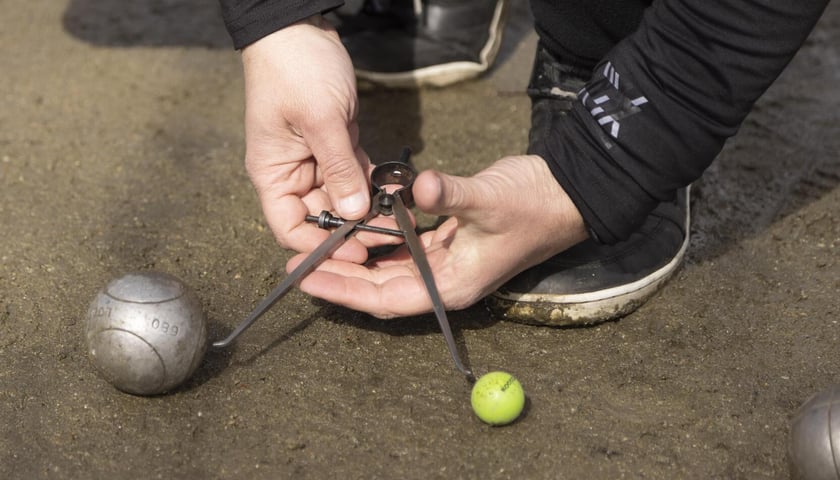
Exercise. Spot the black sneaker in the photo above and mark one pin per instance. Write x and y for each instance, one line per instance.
(590, 283)
(405, 43)
(373, 15)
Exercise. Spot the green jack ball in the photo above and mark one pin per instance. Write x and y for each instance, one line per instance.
(497, 398)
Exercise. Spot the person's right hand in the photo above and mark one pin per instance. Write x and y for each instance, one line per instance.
(301, 134)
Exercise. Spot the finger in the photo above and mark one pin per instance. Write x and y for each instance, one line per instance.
(343, 167)
(373, 239)
(440, 194)
(361, 156)
(285, 210)
(286, 218)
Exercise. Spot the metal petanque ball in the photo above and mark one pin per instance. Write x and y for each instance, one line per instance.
(814, 447)
(146, 332)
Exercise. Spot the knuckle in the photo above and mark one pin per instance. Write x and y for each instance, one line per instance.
(339, 169)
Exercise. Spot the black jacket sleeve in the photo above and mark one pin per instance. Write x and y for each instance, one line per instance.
(249, 20)
(661, 104)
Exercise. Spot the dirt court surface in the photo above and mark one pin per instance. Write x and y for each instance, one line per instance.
(120, 149)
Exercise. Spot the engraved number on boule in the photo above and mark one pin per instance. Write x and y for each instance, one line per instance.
(165, 327)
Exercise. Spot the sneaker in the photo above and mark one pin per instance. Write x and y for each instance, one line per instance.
(405, 43)
(373, 15)
(590, 282)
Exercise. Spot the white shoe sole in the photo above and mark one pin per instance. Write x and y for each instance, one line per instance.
(591, 307)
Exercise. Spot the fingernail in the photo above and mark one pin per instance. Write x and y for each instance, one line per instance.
(353, 205)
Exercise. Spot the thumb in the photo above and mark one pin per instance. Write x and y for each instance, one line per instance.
(440, 194)
(344, 170)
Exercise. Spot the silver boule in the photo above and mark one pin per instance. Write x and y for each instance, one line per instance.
(146, 332)
(814, 444)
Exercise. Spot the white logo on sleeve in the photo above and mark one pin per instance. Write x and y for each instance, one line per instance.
(609, 107)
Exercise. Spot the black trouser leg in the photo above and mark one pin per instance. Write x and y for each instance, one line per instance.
(581, 32)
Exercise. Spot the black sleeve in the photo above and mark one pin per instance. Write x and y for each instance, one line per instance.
(661, 104)
(249, 20)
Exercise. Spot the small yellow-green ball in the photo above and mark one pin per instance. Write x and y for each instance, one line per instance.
(497, 398)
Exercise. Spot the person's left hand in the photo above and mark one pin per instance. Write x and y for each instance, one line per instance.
(503, 220)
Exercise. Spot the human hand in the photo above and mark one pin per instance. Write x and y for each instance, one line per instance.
(503, 220)
(301, 134)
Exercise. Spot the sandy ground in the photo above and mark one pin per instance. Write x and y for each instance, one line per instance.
(120, 149)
